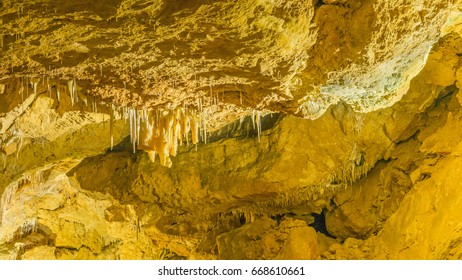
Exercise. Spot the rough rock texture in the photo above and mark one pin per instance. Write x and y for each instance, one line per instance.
(264, 239)
(295, 56)
(413, 212)
(373, 174)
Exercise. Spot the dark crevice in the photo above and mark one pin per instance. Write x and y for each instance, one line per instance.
(242, 219)
(318, 4)
(445, 94)
(123, 146)
(280, 217)
(245, 127)
(319, 223)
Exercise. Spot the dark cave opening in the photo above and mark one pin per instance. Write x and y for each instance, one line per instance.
(319, 224)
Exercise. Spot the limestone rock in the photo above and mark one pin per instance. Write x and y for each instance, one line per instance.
(346, 109)
(40, 253)
(265, 239)
(294, 56)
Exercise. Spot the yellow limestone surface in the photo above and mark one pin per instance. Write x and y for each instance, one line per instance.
(387, 182)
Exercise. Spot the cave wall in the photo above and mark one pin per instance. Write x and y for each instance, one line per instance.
(370, 177)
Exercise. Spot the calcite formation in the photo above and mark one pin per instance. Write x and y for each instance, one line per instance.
(251, 129)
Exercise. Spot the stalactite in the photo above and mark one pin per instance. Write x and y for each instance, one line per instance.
(20, 142)
(258, 123)
(111, 125)
(83, 98)
(194, 128)
(76, 94)
(49, 89)
(138, 122)
(58, 94)
(158, 132)
(34, 85)
(26, 228)
(204, 123)
(133, 128)
(36, 179)
(161, 132)
(5, 200)
(21, 91)
(72, 87)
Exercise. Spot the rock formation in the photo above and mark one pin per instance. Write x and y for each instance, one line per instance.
(300, 129)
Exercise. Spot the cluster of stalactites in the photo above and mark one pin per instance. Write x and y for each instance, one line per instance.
(56, 88)
(158, 132)
(161, 132)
